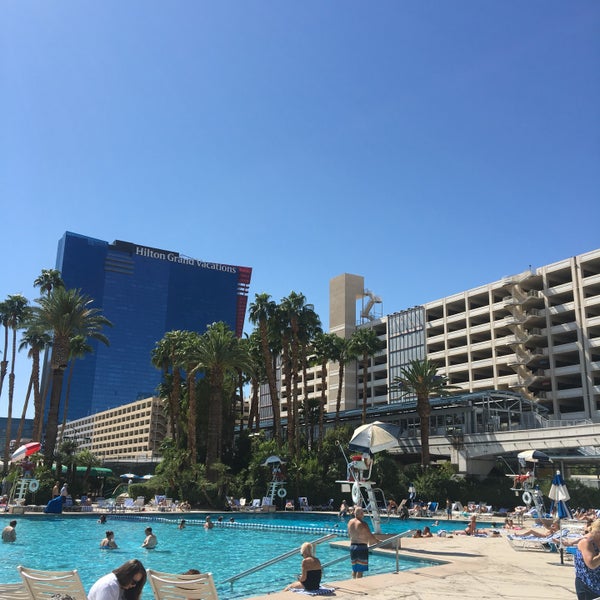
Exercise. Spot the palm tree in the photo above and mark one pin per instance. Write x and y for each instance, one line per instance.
(167, 356)
(420, 379)
(262, 310)
(4, 362)
(324, 348)
(37, 341)
(17, 311)
(78, 349)
(85, 458)
(365, 344)
(342, 353)
(190, 359)
(256, 371)
(65, 313)
(219, 353)
(48, 280)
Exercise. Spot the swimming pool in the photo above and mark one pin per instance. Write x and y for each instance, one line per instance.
(59, 542)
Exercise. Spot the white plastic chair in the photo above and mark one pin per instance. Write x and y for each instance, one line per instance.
(172, 586)
(42, 585)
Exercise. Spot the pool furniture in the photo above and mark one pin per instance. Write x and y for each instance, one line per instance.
(173, 586)
(42, 585)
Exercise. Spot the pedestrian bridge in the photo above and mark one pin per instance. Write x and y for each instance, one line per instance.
(475, 453)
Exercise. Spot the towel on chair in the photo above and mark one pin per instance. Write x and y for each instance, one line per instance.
(322, 591)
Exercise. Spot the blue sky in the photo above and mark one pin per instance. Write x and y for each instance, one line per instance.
(430, 146)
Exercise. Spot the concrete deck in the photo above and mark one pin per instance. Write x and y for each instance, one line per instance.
(477, 568)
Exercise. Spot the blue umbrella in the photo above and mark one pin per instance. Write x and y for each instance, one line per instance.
(559, 495)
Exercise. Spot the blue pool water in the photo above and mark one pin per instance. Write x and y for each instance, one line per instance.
(59, 542)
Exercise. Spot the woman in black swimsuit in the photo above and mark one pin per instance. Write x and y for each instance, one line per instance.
(310, 578)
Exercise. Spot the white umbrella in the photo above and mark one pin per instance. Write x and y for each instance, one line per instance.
(148, 476)
(374, 437)
(533, 456)
(559, 495)
(128, 476)
(273, 460)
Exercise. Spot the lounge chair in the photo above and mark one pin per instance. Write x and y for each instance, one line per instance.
(289, 505)
(171, 586)
(42, 585)
(303, 503)
(255, 504)
(14, 591)
(550, 543)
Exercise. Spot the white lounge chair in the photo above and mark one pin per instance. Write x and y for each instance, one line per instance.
(14, 591)
(171, 586)
(42, 585)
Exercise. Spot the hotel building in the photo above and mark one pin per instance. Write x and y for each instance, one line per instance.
(536, 334)
(145, 292)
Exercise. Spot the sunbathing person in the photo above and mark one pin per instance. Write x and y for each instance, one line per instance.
(549, 530)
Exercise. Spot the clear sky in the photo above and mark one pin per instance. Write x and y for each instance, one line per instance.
(431, 146)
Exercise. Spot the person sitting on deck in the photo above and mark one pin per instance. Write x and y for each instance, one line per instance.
(310, 578)
(520, 479)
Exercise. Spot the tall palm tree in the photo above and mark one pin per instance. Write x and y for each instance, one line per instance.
(167, 355)
(324, 348)
(342, 353)
(78, 348)
(365, 344)
(37, 340)
(16, 311)
(190, 360)
(65, 313)
(48, 280)
(4, 362)
(256, 372)
(420, 379)
(261, 312)
(85, 458)
(219, 354)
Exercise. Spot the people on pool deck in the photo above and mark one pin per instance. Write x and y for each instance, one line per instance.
(310, 578)
(471, 528)
(360, 536)
(208, 524)
(123, 583)
(548, 530)
(343, 509)
(56, 490)
(109, 541)
(587, 563)
(9, 533)
(150, 541)
(64, 492)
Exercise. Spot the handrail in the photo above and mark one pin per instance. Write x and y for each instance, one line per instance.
(378, 545)
(276, 559)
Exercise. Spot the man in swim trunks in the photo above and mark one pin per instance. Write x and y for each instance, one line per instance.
(360, 536)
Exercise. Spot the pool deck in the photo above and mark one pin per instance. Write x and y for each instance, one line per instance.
(477, 568)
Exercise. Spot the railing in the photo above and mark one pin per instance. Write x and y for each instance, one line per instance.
(275, 560)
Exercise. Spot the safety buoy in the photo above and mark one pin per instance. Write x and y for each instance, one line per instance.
(356, 495)
(34, 485)
(282, 492)
(527, 498)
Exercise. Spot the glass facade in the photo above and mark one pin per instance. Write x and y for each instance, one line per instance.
(144, 292)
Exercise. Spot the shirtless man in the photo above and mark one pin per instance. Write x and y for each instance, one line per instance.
(360, 536)
(150, 541)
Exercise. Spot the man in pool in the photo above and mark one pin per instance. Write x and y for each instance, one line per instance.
(360, 536)
(150, 541)
(9, 533)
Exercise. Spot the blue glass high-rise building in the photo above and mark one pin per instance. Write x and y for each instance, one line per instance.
(144, 292)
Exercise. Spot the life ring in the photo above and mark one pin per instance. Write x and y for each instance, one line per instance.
(282, 492)
(356, 495)
(34, 485)
(527, 498)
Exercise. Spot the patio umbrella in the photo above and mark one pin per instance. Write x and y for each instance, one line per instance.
(374, 437)
(559, 495)
(128, 476)
(25, 450)
(148, 476)
(273, 460)
(533, 456)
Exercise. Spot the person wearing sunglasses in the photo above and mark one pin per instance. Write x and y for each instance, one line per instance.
(124, 583)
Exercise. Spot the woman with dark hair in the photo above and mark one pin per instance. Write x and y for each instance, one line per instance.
(124, 583)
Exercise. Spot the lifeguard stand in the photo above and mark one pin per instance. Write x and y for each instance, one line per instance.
(276, 487)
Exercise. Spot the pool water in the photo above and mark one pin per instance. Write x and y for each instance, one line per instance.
(60, 542)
